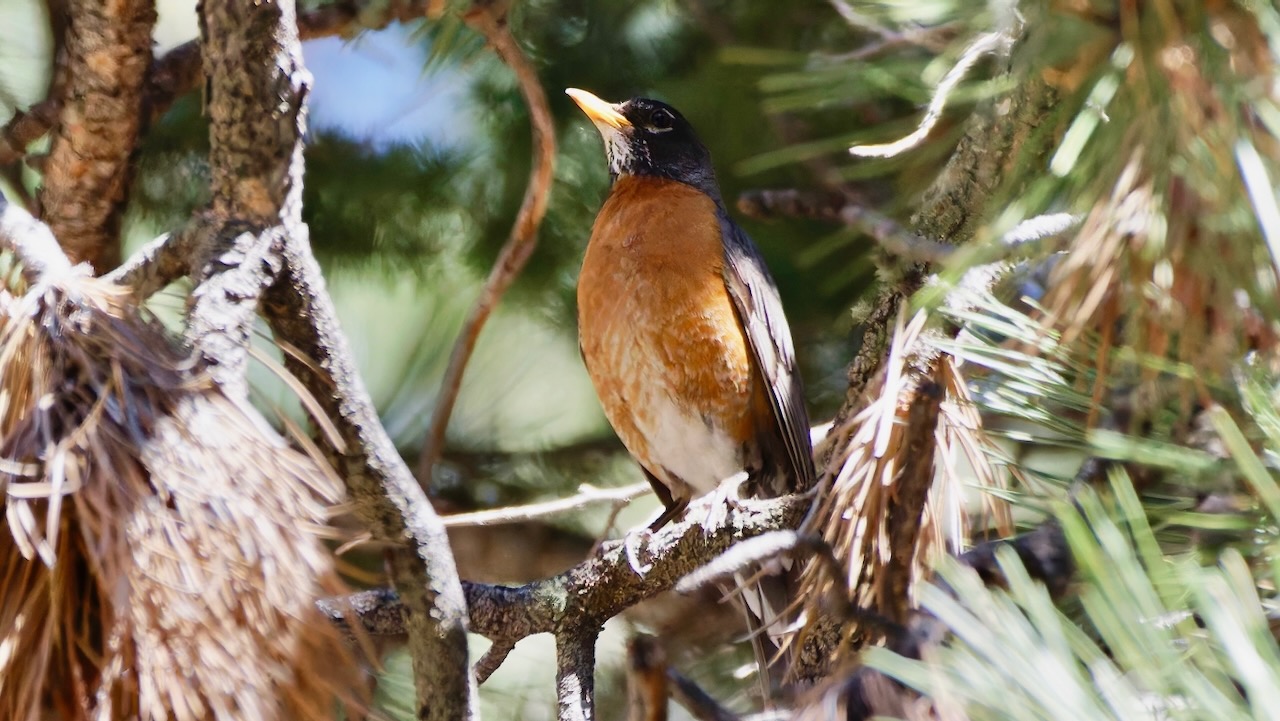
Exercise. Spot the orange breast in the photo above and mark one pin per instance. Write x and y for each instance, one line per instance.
(660, 336)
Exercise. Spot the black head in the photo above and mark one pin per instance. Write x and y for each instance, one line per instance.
(648, 137)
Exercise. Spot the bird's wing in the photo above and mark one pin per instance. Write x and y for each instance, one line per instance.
(755, 296)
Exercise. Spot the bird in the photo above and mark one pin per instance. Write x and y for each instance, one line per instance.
(682, 329)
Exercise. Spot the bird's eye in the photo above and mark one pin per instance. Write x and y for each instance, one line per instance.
(662, 119)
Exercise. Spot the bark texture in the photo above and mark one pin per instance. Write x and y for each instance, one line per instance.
(88, 172)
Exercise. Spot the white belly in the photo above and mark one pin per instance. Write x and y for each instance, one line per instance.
(686, 446)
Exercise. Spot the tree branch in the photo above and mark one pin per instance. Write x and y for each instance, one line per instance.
(890, 234)
(156, 264)
(257, 98)
(953, 207)
(256, 106)
(386, 496)
(492, 659)
(257, 117)
(487, 18)
(89, 169)
(32, 243)
(575, 673)
(911, 491)
(26, 127)
(600, 587)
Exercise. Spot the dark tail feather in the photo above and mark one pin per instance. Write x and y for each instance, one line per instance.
(765, 597)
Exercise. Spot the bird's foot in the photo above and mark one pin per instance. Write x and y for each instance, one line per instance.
(727, 495)
(632, 542)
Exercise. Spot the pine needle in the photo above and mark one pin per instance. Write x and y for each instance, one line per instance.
(156, 560)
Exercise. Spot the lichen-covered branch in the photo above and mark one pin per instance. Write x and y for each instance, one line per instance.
(257, 89)
(156, 264)
(257, 242)
(575, 673)
(600, 587)
(89, 169)
(31, 242)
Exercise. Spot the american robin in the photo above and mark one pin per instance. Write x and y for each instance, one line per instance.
(680, 323)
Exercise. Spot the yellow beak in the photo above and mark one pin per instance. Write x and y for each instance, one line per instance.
(600, 112)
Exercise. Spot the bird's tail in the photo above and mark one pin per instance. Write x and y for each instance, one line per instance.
(766, 597)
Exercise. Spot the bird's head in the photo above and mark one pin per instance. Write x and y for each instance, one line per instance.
(648, 137)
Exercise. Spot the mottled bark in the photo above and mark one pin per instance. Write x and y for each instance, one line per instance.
(910, 495)
(257, 89)
(575, 674)
(89, 169)
(601, 586)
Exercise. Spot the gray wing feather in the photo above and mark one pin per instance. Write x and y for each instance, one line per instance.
(755, 296)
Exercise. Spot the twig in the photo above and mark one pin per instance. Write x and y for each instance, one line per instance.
(515, 253)
(25, 127)
(90, 166)
(911, 491)
(340, 18)
(32, 243)
(575, 674)
(934, 39)
(587, 495)
(379, 612)
(700, 704)
(492, 659)
(156, 264)
(987, 43)
(889, 233)
(860, 21)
